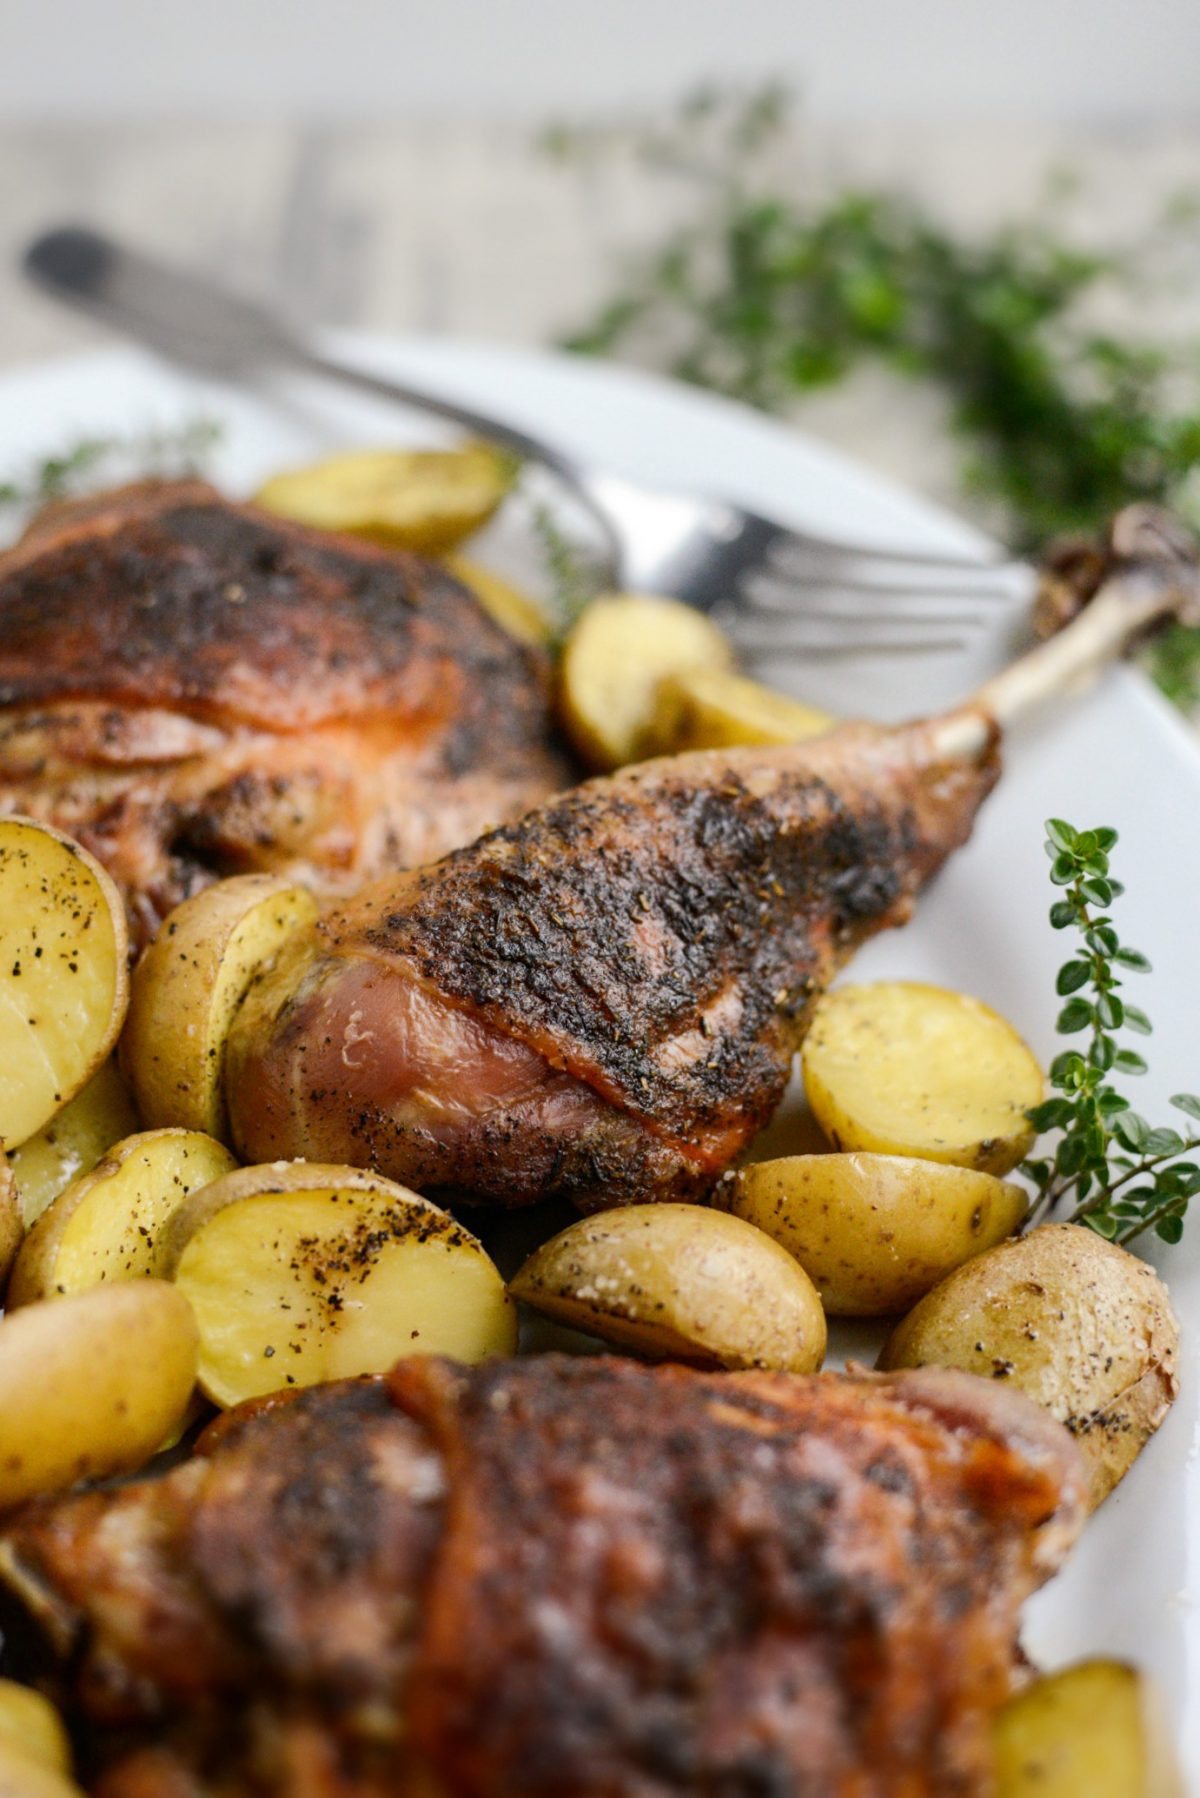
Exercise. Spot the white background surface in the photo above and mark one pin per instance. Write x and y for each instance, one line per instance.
(72, 61)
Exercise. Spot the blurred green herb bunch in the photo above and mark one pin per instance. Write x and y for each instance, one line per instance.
(765, 295)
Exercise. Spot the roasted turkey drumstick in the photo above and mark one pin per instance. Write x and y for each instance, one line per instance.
(602, 1000)
(560, 1579)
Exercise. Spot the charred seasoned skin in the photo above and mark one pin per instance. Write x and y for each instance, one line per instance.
(564, 1579)
(262, 1594)
(602, 1000)
(194, 688)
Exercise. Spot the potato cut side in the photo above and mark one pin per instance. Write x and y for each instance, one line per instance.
(64, 983)
(300, 1272)
(906, 1069)
(91, 1385)
(679, 1283)
(426, 500)
(1075, 1322)
(73, 1141)
(511, 609)
(187, 986)
(30, 1723)
(874, 1232)
(621, 647)
(713, 708)
(1094, 1731)
(109, 1224)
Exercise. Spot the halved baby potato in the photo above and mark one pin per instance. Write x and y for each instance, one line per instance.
(92, 1385)
(426, 500)
(1075, 1322)
(187, 986)
(874, 1232)
(907, 1069)
(679, 1283)
(109, 1224)
(300, 1272)
(616, 654)
(73, 1141)
(1095, 1730)
(512, 610)
(30, 1724)
(64, 979)
(714, 708)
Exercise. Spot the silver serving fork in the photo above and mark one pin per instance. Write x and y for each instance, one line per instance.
(779, 592)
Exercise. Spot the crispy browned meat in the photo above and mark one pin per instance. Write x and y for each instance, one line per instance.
(263, 1593)
(562, 1579)
(601, 1000)
(194, 688)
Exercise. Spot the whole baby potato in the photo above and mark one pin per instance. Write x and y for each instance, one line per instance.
(874, 1232)
(1077, 1323)
(679, 1283)
(12, 1229)
(908, 1069)
(92, 1385)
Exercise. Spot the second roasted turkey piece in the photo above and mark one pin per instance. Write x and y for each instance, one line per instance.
(193, 688)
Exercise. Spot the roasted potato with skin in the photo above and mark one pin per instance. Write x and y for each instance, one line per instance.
(109, 1224)
(73, 1141)
(12, 1227)
(874, 1232)
(616, 654)
(713, 708)
(906, 1069)
(299, 1272)
(187, 986)
(511, 609)
(91, 1385)
(1077, 1323)
(64, 982)
(427, 500)
(22, 1776)
(30, 1723)
(679, 1283)
(1094, 1731)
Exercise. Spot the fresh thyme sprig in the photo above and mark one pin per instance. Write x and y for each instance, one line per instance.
(574, 580)
(94, 461)
(769, 294)
(1120, 1176)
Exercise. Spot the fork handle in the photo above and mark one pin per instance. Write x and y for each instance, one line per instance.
(200, 323)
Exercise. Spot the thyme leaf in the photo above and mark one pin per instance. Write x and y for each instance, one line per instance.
(1120, 1176)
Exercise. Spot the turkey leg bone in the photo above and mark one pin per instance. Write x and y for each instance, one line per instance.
(603, 1000)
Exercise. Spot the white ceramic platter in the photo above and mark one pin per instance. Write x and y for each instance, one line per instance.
(1117, 756)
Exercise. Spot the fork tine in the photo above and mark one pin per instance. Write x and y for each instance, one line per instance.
(755, 636)
(814, 561)
(758, 593)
